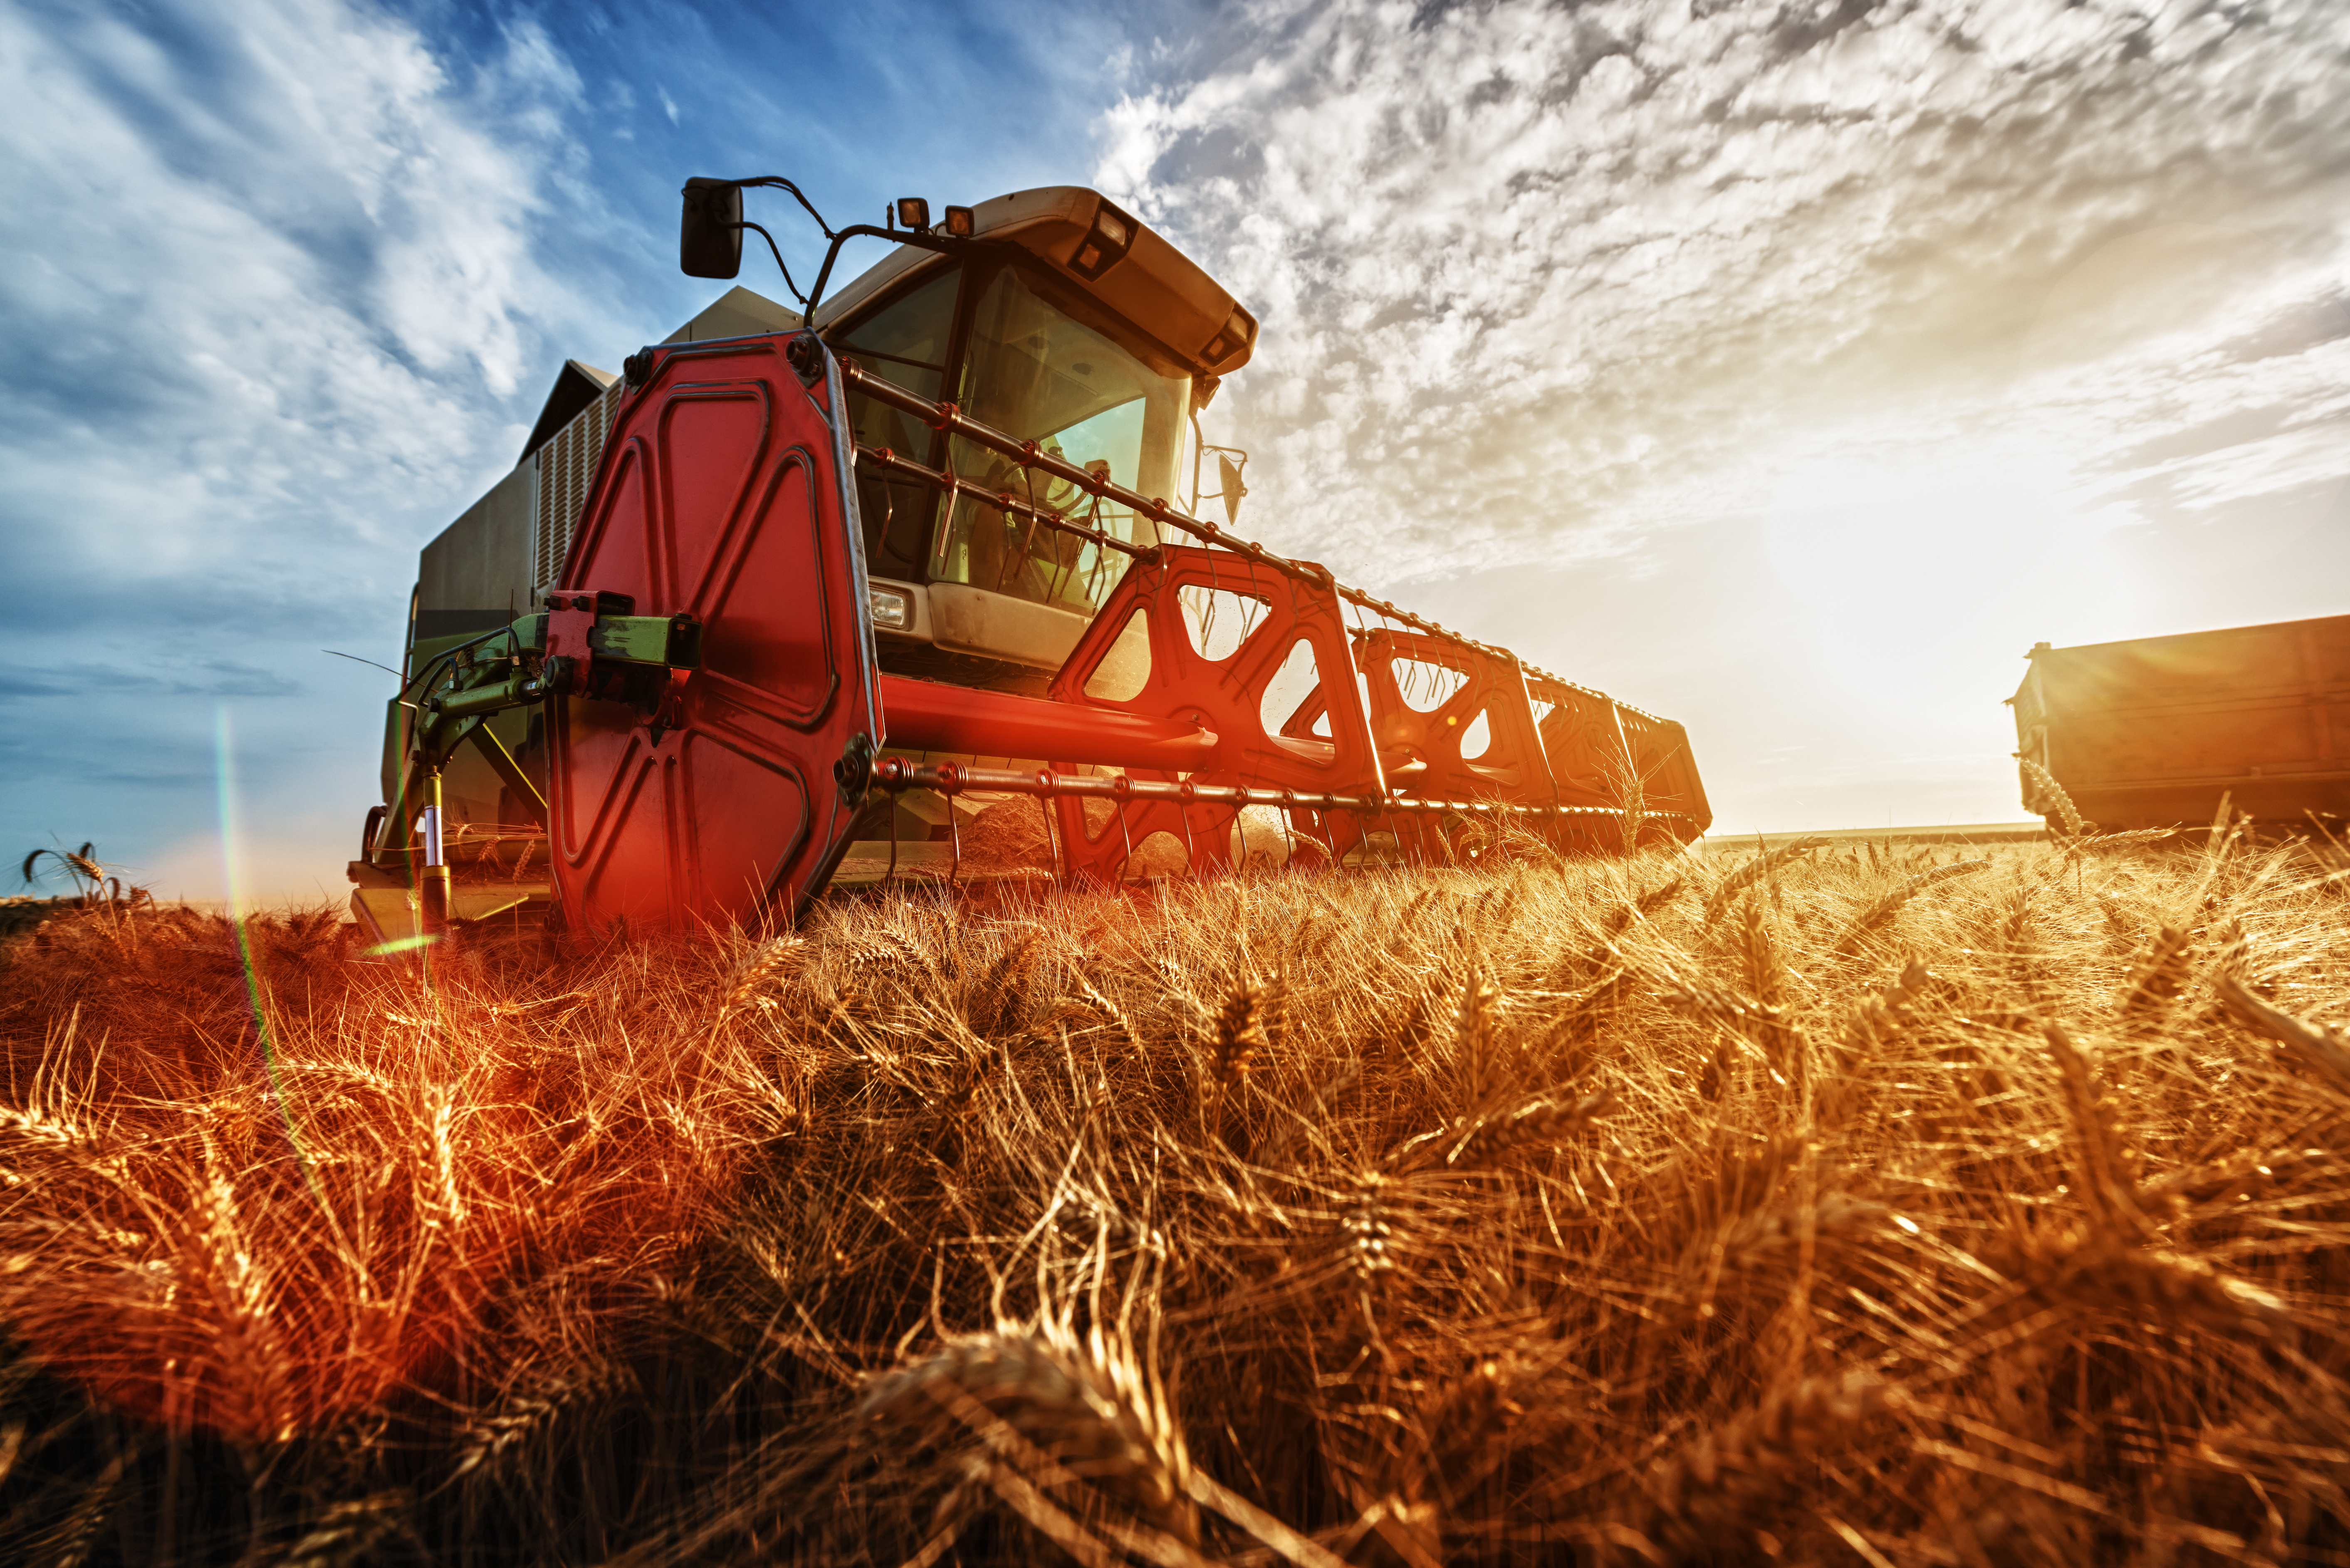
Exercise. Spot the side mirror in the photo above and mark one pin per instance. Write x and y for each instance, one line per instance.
(710, 238)
(1229, 472)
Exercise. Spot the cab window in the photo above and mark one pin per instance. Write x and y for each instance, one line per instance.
(904, 341)
(1035, 367)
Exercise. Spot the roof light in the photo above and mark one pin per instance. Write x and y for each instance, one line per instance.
(1104, 244)
(914, 212)
(1238, 335)
(961, 223)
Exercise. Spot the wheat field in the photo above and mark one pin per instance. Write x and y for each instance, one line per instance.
(1839, 1204)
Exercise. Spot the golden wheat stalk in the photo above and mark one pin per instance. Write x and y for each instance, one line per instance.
(1761, 866)
(1239, 1035)
(2325, 1052)
(1891, 904)
(1542, 1124)
(2099, 1270)
(1714, 1004)
(352, 1530)
(2047, 792)
(1082, 1402)
(1646, 906)
(2157, 977)
(2106, 1186)
(1726, 1469)
(770, 962)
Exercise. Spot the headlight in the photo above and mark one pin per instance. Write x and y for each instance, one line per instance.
(1239, 333)
(1105, 243)
(893, 609)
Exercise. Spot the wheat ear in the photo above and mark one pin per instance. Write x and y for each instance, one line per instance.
(2158, 978)
(1083, 1404)
(769, 961)
(2324, 1050)
(1887, 907)
(2102, 1273)
(1543, 1123)
(2046, 788)
(1729, 1468)
(1239, 1035)
(1761, 866)
(2106, 1186)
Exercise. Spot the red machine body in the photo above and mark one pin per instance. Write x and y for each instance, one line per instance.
(804, 599)
(720, 496)
(726, 496)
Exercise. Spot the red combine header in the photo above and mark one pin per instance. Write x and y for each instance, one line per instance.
(801, 594)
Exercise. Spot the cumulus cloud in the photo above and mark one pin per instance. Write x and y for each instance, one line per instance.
(276, 307)
(274, 269)
(1537, 281)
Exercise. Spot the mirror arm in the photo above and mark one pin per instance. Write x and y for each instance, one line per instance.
(778, 182)
(943, 245)
(780, 267)
(938, 243)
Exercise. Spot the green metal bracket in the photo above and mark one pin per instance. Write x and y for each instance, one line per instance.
(673, 642)
(461, 686)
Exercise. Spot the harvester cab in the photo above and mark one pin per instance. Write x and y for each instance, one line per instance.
(797, 588)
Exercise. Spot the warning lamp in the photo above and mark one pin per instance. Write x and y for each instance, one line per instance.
(961, 223)
(914, 212)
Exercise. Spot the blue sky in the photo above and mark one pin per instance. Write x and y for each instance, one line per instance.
(1785, 369)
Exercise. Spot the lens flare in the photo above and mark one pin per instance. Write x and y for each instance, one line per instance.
(239, 912)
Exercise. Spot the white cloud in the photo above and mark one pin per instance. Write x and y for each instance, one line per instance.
(269, 302)
(1536, 281)
(274, 306)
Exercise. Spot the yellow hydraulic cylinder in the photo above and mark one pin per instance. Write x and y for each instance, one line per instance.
(432, 889)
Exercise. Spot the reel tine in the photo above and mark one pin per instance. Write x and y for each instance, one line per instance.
(1052, 852)
(954, 836)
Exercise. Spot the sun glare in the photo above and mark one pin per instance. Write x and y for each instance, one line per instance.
(1913, 573)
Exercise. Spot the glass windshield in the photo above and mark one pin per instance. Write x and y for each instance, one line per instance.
(1035, 371)
(905, 341)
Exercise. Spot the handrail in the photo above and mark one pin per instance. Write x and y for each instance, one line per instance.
(949, 418)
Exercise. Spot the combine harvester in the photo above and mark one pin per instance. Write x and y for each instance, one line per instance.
(776, 598)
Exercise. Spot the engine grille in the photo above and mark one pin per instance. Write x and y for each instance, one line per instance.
(567, 469)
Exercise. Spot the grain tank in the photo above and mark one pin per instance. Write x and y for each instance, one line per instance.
(2151, 732)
